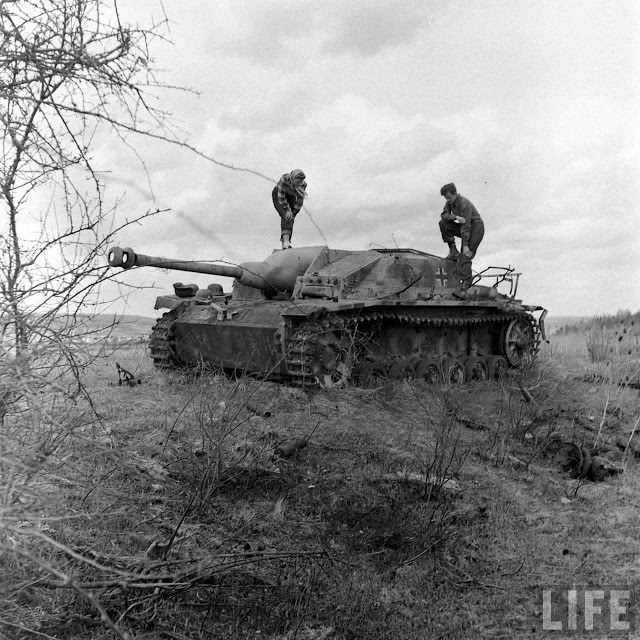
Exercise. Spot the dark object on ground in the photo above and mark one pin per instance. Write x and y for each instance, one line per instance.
(125, 377)
(328, 317)
(257, 408)
(290, 447)
(579, 462)
(601, 468)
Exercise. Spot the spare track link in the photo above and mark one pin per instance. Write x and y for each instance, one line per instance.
(303, 345)
(161, 340)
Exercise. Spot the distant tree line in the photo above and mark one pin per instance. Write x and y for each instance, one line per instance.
(624, 321)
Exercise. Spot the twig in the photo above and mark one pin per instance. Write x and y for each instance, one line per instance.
(430, 548)
(29, 631)
(488, 585)
(471, 580)
(67, 581)
(633, 431)
(181, 579)
(513, 573)
(307, 438)
(177, 528)
(526, 394)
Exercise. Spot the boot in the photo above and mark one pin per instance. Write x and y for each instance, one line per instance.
(454, 254)
(285, 241)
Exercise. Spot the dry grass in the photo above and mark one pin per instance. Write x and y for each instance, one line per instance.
(413, 510)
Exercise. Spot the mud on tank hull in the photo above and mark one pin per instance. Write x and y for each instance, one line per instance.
(331, 343)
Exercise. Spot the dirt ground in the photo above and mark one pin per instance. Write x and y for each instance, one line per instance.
(199, 506)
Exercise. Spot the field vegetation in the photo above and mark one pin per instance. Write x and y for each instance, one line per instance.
(197, 505)
(192, 505)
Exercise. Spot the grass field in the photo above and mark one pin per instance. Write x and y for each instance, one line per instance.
(164, 510)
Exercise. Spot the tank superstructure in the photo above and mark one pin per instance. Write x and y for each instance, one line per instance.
(315, 315)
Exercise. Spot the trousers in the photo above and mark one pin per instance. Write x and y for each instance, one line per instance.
(450, 230)
(286, 226)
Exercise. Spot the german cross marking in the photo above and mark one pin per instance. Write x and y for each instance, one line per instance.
(442, 277)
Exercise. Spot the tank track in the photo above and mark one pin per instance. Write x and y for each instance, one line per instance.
(537, 337)
(329, 351)
(161, 340)
(315, 355)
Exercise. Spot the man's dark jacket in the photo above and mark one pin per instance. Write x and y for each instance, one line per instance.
(464, 208)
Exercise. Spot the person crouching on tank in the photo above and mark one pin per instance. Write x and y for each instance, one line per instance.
(288, 196)
(460, 218)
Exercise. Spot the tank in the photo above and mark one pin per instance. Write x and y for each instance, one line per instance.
(321, 316)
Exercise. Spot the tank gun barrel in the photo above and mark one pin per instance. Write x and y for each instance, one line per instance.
(277, 273)
(127, 258)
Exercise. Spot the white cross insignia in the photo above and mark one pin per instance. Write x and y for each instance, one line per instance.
(442, 277)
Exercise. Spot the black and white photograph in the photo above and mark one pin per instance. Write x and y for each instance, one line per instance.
(319, 320)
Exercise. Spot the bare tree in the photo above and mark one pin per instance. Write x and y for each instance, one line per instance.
(70, 73)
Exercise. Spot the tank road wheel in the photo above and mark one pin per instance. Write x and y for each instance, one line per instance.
(369, 373)
(332, 365)
(518, 340)
(497, 367)
(453, 371)
(475, 370)
(363, 372)
(400, 369)
(380, 372)
(429, 370)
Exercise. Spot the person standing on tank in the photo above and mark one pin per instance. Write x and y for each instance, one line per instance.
(460, 219)
(288, 196)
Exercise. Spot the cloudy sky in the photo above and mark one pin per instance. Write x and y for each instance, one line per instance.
(530, 107)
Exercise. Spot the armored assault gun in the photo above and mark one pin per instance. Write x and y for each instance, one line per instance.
(321, 316)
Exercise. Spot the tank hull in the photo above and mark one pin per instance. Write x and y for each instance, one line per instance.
(325, 342)
(246, 341)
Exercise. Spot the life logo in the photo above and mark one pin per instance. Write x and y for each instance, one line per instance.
(589, 610)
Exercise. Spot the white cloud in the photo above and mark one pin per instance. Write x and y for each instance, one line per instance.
(264, 31)
(528, 108)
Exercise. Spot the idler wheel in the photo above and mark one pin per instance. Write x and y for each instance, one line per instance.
(476, 370)
(518, 339)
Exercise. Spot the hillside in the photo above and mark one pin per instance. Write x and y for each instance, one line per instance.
(119, 325)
